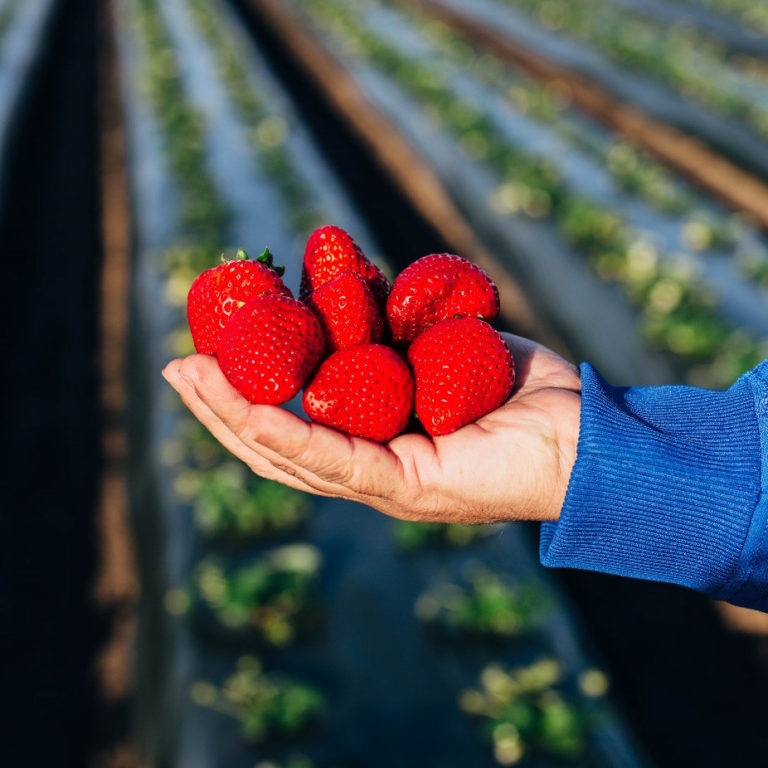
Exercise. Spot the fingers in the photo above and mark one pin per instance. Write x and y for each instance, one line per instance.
(224, 435)
(326, 460)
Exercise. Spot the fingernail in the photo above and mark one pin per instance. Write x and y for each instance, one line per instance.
(171, 371)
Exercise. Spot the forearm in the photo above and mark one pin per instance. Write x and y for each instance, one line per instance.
(670, 485)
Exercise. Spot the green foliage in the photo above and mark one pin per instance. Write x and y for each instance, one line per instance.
(230, 501)
(524, 710)
(267, 705)
(410, 535)
(204, 215)
(485, 604)
(269, 130)
(268, 595)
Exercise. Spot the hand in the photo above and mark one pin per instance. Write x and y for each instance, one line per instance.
(513, 464)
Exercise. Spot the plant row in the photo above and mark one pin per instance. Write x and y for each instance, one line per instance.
(695, 65)
(678, 315)
(231, 505)
(751, 14)
(537, 708)
(704, 225)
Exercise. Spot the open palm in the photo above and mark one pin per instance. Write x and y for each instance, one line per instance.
(513, 464)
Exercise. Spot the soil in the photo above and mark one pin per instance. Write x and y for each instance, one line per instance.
(49, 397)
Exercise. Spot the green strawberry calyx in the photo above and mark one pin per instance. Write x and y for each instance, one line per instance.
(264, 258)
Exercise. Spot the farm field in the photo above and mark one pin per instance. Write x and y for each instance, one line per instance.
(206, 617)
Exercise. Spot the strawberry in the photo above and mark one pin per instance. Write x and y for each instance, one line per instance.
(331, 251)
(463, 370)
(366, 390)
(219, 291)
(270, 347)
(347, 312)
(436, 287)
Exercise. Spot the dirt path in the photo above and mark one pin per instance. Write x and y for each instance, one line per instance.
(50, 402)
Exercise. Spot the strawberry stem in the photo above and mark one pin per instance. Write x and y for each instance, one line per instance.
(241, 255)
(266, 259)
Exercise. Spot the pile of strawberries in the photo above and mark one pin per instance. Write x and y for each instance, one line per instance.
(367, 355)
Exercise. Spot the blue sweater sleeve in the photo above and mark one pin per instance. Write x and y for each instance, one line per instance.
(670, 484)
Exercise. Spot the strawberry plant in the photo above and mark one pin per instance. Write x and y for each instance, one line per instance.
(414, 536)
(266, 597)
(267, 706)
(484, 604)
(229, 502)
(525, 710)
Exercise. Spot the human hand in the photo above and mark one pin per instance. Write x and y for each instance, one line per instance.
(512, 464)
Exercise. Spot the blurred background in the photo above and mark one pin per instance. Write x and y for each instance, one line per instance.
(604, 160)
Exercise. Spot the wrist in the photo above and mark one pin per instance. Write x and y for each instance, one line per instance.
(567, 425)
(664, 487)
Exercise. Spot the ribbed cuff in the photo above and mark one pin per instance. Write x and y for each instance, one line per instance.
(665, 486)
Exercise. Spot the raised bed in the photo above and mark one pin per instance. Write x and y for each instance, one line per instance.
(598, 165)
(732, 136)
(442, 108)
(751, 17)
(738, 31)
(388, 695)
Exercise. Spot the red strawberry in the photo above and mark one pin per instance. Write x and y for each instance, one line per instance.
(270, 348)
(436, 287)
(331, 251)
(218, 292)
(347, 312)
(365, 390)
(463, 370)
